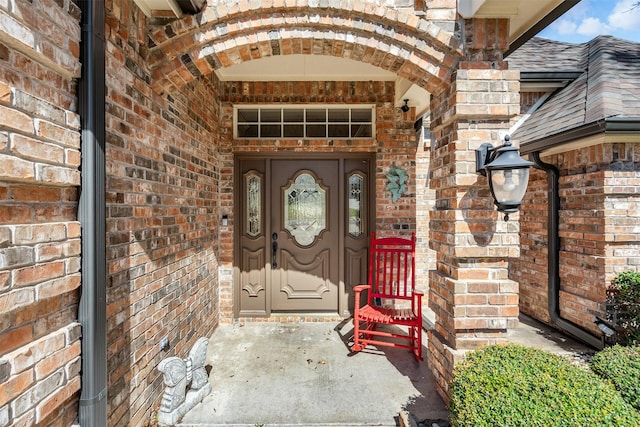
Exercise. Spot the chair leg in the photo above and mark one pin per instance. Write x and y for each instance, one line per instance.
(417, 342)
(356, 335)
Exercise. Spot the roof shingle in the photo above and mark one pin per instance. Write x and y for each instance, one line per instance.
(609, 85)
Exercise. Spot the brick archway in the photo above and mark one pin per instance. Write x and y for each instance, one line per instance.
(398, 40)
(474, 96)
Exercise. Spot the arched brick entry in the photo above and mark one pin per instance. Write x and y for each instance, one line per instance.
(419, 46)
(397, 40)
(473, 97)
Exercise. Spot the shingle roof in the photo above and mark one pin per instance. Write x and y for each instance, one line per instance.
(609, 85)
(540, 54)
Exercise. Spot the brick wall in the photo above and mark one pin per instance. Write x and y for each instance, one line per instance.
(39, 232)
(425, 203)
(622, 212)
(599, 236)
(474, 300)
(162, 219)
(530, 270)
(472, 240)
(528, 99)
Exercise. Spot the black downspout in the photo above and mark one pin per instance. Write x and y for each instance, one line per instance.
(553, 257)
(92, 312)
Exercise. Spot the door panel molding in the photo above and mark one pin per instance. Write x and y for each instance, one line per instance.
(254, 280)
(314, 272)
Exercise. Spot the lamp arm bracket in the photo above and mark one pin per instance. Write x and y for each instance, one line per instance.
(483, 156)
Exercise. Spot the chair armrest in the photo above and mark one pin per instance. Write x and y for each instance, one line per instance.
(417, 295)
(417, 298)
(360, 288)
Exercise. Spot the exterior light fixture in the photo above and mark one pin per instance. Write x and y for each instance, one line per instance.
(605, 327)
(508, 174)
(405, 107)
(608, 331)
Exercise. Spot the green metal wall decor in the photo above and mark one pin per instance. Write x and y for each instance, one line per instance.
(397, 182)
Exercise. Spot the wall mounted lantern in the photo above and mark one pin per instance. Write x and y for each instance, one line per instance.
(508, 174)
(405, 107)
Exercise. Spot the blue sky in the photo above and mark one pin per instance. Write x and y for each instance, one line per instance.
(590, 18)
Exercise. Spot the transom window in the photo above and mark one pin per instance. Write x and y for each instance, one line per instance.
(304, 122)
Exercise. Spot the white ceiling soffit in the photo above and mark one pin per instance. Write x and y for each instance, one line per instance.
(418, 98)
(304, 68)
(523, 14)
(324, 68)
(159, 8)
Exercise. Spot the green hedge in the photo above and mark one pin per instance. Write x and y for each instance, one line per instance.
(519, 386)
(623, 307)
(621, 366)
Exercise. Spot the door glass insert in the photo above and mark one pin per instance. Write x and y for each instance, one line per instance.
(356, 204)
(305, 213)
(253, 183)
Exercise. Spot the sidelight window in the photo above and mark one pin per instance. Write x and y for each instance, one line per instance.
(356, 204)
(253, 191)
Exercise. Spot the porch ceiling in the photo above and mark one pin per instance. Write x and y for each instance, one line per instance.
(168, 8)
(324, 68)
(159, 8)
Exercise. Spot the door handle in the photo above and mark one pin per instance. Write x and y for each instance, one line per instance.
(274, 251)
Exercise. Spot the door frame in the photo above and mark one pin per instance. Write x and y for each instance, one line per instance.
(343, 310)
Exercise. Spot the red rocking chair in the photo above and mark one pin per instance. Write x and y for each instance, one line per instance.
(392, 298)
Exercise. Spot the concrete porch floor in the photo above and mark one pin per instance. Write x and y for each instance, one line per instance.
(303, 374)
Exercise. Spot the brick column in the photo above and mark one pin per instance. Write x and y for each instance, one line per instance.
(474, 300)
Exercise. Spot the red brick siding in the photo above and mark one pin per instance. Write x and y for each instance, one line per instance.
(170, 176)
(622, 213)
(162, 219)
(39, 232)
(599, 237)
(528, 99)
(530, 269)
(465, 225)
(425, 203)
(486, 40)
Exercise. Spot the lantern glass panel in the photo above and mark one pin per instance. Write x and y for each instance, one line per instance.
(509, 185)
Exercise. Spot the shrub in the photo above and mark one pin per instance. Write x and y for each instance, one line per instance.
(621, 366)
(623, 307)
(518, 386)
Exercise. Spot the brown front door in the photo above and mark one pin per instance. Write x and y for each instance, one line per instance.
(302, 235)
(304, 238)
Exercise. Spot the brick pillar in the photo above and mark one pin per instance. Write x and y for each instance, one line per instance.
(471, 294)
